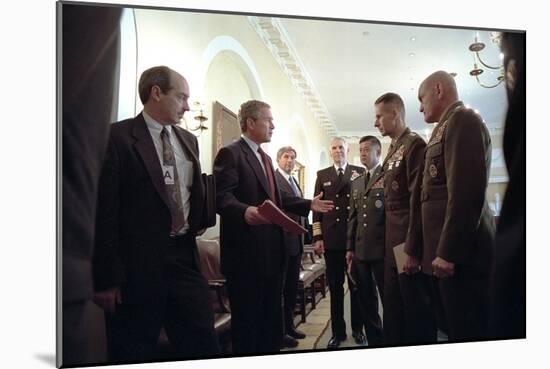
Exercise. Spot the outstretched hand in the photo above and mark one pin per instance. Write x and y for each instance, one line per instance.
(321, 206)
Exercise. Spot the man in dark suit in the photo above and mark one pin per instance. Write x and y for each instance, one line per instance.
(408, 315)
(286, 160)
(88, 85)
(366, 228)
(457, 224)
(329, 236)
(252, 248)
(508, 279)
(150, 208)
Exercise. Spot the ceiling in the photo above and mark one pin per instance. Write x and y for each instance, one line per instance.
(348, 65)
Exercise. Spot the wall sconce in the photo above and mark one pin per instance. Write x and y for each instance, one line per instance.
(199, 117)
(478, 46)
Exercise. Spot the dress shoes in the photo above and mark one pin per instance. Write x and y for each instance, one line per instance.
(359, 338)
(334, 342)
(289, 341)
(296, 334)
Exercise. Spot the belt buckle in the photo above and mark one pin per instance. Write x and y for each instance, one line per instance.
(172, 237)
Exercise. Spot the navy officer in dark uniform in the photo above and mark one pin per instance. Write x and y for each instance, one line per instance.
(329, 236)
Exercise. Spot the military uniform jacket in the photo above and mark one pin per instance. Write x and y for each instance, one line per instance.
(366, 218)
(456, 220)
(331, 227)
(402, 178)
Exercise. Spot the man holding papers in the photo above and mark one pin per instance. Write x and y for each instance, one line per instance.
(408, 315)
(252, 249)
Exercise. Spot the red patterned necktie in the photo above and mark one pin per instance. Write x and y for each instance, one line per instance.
(269, 174)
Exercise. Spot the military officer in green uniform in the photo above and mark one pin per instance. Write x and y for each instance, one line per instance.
(366, 228)
(408, 316)
(329, 236)
(458, 227)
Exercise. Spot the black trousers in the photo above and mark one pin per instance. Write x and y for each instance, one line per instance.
(256, 313)
(336, 270)
(408, 308)
(464, 304)
(368, 275)
(290, 289)
(182, 306)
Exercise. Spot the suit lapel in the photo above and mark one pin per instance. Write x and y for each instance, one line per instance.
(146, 149)
(197, 191)
(298, 187)
(285, 186)
(255, 164)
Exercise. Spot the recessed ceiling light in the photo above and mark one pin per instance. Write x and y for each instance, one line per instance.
(413, 39)
(411, 54)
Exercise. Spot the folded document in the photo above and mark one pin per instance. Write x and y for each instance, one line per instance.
(270, 211)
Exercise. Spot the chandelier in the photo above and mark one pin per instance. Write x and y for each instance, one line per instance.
(478, 46)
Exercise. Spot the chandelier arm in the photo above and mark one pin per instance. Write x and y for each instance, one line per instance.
(488, 86)
(486, 65)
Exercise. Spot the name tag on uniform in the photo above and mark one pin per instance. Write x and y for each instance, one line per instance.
(327, 183)
(168, 174)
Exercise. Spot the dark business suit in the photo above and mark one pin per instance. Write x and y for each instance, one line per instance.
(252, 256)
(331, 228)
(457, 223)
(89, 59)
(160, 280)
(366, 234)
(294, 247)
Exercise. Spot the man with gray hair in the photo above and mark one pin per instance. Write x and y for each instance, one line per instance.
(457, 224)
(329, 236)
(252, 248)
(286, 160)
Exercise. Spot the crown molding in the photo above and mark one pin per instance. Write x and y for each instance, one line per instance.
(275, 38)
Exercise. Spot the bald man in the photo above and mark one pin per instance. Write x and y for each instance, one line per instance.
(457, 225)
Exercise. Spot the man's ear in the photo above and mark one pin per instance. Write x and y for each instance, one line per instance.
(439, 90)
(250, 122)
(155, 93)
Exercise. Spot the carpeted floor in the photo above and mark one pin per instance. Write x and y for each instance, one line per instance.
(318, 331)
(317, 326)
